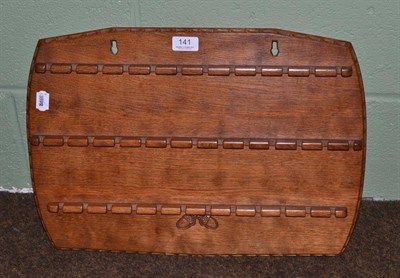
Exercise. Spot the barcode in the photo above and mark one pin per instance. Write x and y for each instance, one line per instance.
(41, 100)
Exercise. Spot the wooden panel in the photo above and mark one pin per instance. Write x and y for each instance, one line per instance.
(218, 71)
(121, 208)
(195, 210)
(271, 211)
(312, 145)
(207, 144)
(166, 70)
(203, 241)
(320, 212)
(86, 69)
(246, 211)
(53, 141)
(341, 212)
(259, 145)
(171, 209)
(40, 68)
(286, 145)
(233, 144)
(181, 143)
(299, 72)
(72, 208)
(174, 142)
(221, 210)
(357, 145)
(245, 71)
(113, 69)
(61, 68)
(103, 142)
(130, 142)
(34, 140)
(346, 71)
(272, 71)
(295, 212)
(146, 209)
(192, 70)
(338, 146)
(186, 175)
(53, 207)
(78, 141)
(252, 150)
(325, 72)
(236, 106)
(97, 208)
(139, 70)
(156, 142)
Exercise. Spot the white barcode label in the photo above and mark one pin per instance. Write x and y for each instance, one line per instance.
(42, 101)
(185, 43)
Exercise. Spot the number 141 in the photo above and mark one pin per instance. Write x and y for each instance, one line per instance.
(184, 41)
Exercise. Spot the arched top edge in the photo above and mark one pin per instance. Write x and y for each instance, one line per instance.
(278, 32)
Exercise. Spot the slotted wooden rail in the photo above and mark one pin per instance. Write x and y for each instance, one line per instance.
(197, 141)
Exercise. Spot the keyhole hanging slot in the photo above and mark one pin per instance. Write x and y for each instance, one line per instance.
(274, 48)
(114, 47)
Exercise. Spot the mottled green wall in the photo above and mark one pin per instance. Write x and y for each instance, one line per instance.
(372, 27)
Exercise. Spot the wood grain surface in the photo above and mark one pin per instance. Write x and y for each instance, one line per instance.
(228, 150)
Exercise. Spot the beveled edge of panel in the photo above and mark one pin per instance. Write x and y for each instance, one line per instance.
(358, 145)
